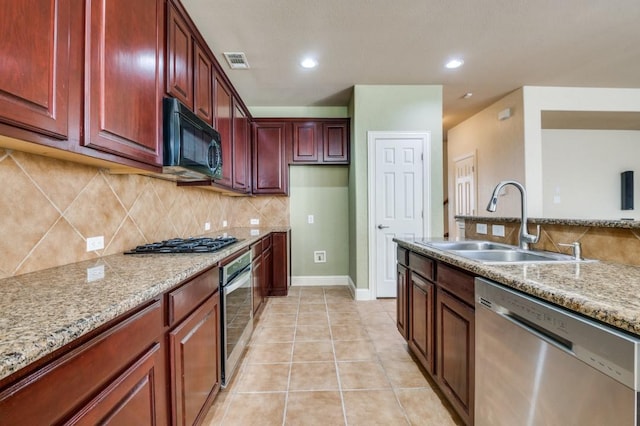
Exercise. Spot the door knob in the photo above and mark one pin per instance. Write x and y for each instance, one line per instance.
(382, 226)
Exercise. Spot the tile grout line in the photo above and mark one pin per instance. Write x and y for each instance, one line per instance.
(335, 361)
(293, 345)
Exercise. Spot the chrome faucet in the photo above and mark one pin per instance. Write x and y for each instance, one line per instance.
(525, 238)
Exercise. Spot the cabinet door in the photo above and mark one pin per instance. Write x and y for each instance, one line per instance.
(34, 75)
(306, 142)
(223, 126)
(335, 138)
(130, 399)
(203, 84)
(402, 301)
(456, 343)
(194, 350)
(257, 283)
(421, 330)
(124, 87)
(280, 281)
(241, 154)
(267, 284)
(179, 57)
(270, 169)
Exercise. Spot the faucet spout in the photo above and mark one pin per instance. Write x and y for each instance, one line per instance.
(524, 238)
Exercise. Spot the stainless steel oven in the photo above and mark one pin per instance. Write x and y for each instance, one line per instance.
(236, 312)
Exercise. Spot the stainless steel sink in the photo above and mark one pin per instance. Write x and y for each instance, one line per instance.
(514, 256)
(468, 245)
(488, 252)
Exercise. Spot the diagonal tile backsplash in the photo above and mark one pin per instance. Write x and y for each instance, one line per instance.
(50, 207)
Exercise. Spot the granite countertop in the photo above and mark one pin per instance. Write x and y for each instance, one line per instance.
(600, 223)
(608, 292)
(42, 311)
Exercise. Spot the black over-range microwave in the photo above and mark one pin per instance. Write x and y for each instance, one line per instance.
(192, 149)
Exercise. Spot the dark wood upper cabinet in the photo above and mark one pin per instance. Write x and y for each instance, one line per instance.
(203, 84)
(306, 142)
(180, 53)
(224, 112)
(335, 147)
(123, 106)
(270, 168)
(34, 75)
(320, 141)
(241, 149)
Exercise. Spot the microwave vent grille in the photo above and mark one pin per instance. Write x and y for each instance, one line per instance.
(237, 60)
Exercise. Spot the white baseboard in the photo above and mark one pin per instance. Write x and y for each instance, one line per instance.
(327, 280)
(332, 280)
(359, 293)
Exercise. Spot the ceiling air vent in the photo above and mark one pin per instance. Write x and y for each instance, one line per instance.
(237, 60)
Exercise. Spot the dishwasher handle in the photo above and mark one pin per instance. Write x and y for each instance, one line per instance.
(546, 335)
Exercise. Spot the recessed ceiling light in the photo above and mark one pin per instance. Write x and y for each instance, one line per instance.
(309, 63)
(454, 63)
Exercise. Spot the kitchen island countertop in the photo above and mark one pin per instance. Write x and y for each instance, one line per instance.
(608, 292)
(42, 311)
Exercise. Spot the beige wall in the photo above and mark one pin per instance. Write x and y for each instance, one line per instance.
(581, 172)
(50, 207)
(538, 99)
(499, 149)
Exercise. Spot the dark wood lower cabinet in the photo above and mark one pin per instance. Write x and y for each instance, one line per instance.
(280, 268)
(119, 372)
(195, 362)
(441, 325)
(455, 352)
(421, 331)
(402, 301)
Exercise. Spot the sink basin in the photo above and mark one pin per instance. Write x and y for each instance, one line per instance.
(488, 252)
(514, 256)
(468, 245)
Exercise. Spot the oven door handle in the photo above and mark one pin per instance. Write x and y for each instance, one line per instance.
(239, 280)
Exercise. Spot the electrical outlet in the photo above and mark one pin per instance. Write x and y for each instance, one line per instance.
(497, 230)
(207, 226)
(254, 222)
(254, 232)
(224, 224)
(96, 273)
(95, 243)
(481, 228)
(320, 256)
(310, 218)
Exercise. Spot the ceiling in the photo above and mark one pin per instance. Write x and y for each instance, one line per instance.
(505, 44)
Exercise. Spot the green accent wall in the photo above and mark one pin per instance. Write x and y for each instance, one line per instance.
(321, 191)
(389, 108)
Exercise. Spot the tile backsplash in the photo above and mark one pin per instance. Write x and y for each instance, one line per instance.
(50, 207)
(619, 245)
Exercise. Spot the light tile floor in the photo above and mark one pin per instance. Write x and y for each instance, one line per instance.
(317, 357)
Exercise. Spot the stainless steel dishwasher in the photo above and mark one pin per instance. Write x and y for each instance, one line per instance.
(538, 364)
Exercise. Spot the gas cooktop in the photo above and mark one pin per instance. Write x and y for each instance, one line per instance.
(185, 245)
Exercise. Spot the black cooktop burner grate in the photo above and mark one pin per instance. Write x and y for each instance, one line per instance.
(185, 245)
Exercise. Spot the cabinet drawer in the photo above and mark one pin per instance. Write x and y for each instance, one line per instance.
(184, 299)
(403, 256)
(422, 265)
(266, 242)
(456, 282)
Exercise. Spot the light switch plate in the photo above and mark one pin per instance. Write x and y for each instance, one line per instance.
(254, 222)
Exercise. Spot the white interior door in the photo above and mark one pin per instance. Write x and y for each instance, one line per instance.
(465, 186)
(398, 190)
